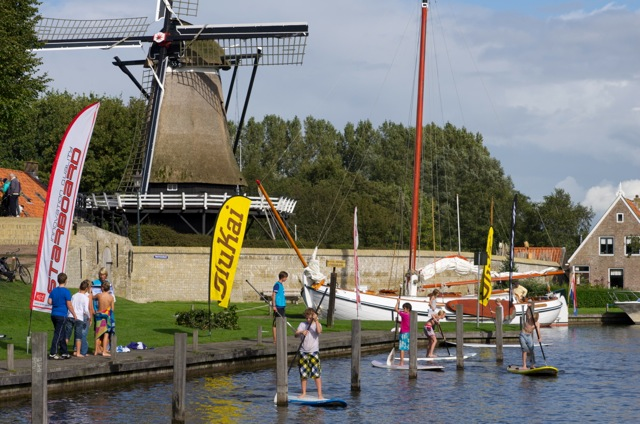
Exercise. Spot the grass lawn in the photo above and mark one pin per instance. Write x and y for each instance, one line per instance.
(154, 323)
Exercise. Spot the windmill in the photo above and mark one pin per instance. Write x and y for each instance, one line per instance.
(184, 144)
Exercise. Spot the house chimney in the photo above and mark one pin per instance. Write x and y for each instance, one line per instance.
(636, 200)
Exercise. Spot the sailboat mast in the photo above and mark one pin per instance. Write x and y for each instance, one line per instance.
(417, 164)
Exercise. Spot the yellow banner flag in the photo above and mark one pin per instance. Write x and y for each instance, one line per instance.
(485, 290)
(225, 248)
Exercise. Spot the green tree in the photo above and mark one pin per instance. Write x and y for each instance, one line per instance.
(20, 85)
(557, 221)
(111, 142)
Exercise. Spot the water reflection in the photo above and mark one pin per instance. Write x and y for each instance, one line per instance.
(598, 367)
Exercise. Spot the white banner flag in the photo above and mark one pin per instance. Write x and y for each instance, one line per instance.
(59, 207)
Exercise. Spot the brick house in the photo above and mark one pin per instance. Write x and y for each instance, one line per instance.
(607, 257)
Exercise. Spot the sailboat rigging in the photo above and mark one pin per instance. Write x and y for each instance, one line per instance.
(366, 305)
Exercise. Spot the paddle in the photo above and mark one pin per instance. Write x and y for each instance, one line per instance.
(302, 339)
(268, 303)
(393, 348)
(529, 310)
(444, 338)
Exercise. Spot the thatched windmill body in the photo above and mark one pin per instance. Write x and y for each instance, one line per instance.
(184, 145)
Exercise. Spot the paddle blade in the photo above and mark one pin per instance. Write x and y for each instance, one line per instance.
(391, 355)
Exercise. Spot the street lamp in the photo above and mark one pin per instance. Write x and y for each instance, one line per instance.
(137, 183)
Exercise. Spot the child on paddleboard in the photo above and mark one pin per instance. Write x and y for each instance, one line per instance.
(529, 324)
(432, 340)
(405, 328)
(309, 362)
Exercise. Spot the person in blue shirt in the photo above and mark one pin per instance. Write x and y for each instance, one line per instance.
(278, 301)
(60, 301)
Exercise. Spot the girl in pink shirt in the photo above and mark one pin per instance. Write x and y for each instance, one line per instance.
(405, 328)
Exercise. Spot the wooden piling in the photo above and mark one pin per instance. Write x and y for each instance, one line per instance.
(282, 373)
(179, 378)
(499, 333)
(11, 366)
(332, 297)
(39, 371)
(459, 339)
(356, 340)
(413, 346)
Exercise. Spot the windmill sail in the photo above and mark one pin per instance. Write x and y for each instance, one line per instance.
(186, 142)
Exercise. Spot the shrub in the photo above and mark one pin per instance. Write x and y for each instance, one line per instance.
(200, 318)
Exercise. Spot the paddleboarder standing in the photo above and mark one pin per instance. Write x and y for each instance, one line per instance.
(309, 362)
(530, 323)
(405, 328)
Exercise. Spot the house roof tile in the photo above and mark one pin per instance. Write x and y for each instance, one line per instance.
(34, 194)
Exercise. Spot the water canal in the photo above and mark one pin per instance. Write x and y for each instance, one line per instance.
(598, 382)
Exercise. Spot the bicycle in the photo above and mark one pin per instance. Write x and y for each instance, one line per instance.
(17, 268)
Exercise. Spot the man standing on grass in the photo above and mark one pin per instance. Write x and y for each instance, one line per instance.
(60, 301)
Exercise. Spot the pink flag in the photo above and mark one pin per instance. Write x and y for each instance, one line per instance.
(355, 257)
(59, 207)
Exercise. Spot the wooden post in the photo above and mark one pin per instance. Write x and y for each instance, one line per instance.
(459, 339)
(533, 335)
(259, 338)
(282, 376)
(195, 340)
(499, 333)
(413, 346)
(332, 297)
(11, 366)
(356, 340)
(39, 379)
(179, 378)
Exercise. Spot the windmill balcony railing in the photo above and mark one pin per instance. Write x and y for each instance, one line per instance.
(180, 202)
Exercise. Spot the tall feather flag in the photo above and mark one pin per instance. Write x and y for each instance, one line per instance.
(511, 247)
(60, 205)
(225, 248)
(485, 292)
(573, 293)
(356, 266)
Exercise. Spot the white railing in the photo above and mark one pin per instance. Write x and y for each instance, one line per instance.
(179, 202)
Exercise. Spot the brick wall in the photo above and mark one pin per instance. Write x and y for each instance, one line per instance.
(146, 274)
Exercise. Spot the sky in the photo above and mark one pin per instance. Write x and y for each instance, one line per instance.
(553, 86)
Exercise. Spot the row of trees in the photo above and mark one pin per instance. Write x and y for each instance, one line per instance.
(328, 171)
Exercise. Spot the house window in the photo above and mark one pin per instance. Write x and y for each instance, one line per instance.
(620, 217)
(172, 187)
(606, 245)
(582, 274)
(616, 277)
(632, 245)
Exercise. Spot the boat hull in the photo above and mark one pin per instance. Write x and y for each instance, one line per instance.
(631, 308)
(375, 307)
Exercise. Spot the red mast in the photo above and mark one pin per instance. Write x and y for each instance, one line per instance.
(417, 165)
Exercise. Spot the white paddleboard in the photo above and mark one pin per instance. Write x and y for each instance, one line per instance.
(310, 400)
(395, 366)
(479, 345)
(441, 358)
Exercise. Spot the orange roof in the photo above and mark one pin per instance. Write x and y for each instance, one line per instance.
(33, 193)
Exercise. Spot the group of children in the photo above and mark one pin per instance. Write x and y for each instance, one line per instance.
(529, 324)
(94, 301)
